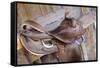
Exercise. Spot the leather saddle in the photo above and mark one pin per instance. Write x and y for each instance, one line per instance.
(39, 41)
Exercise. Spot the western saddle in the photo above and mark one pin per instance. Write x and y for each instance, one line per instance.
(61, 44)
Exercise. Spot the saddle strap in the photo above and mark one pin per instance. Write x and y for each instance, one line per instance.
(61, 54)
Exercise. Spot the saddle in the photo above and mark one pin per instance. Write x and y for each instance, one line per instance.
(65, 37)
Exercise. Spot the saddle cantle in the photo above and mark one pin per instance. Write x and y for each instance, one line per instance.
(35, 40)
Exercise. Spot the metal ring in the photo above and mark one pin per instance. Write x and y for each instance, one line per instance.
(46, 45)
